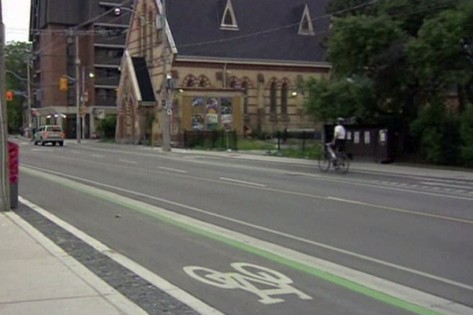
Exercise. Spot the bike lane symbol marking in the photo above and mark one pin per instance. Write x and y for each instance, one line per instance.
(250, 278)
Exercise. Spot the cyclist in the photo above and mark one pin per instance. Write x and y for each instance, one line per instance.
(338, 142)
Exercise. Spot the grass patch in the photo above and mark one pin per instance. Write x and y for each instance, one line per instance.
(311, 153)
(255, 144)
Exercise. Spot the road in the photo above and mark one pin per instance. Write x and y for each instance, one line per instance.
(259, 236)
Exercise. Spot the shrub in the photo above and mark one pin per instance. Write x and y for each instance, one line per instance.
(466, 133)
(107, 127)
(437, 131)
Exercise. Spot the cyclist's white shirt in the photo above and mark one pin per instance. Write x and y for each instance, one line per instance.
(340, 132)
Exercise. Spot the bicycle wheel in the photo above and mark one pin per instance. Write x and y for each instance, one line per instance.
(343, 164)
(324, 161)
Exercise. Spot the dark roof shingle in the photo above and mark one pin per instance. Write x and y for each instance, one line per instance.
(267, 29)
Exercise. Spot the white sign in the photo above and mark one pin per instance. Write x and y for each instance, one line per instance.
(367, 137)
(248, 277)
(100, 114)
(356, 137)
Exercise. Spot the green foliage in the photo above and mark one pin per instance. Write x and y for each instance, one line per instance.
(313, 152)
(216, 139)
(245, 144)
(466, 132)
(358, 40)
(401, 56)
(438, 131)
(107, 127)
(347, 97)
(436, 52)
(16, 61)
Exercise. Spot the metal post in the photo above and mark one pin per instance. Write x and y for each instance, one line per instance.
(78, 89)
(28, 89)
(82, 97)
(165, 89)
(4, 169)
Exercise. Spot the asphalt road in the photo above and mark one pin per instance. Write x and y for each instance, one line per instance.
(268, 236)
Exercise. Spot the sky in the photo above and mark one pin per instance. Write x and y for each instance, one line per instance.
(16, 17)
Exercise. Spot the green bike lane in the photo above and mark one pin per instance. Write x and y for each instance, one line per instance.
(228, 271)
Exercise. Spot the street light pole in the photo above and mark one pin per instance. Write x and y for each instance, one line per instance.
(165, 89)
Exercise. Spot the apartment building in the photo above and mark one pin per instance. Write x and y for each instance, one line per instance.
(77, 49)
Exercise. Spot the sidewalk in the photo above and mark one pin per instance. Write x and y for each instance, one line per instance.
(355, 166)
(39, 278)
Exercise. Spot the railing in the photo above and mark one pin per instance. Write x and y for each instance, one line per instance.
(302, 137)
(110, 40)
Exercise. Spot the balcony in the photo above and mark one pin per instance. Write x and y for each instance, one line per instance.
(117, 40)
(104, 81)
(108, 61)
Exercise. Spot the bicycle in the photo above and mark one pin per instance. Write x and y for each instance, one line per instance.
(340, 163)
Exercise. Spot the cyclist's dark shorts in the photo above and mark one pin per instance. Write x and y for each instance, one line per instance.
(340, 145)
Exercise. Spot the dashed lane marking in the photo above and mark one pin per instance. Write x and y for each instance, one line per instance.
(377, 288)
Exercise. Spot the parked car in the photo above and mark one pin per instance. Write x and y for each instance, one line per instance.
(49, 133)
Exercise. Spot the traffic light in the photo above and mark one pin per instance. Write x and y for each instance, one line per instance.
(63, 83)
(10, 95)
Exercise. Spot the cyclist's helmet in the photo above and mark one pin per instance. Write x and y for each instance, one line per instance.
(340, 120)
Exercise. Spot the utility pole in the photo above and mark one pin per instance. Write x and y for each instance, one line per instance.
(28, 87)
(166, 88)
(4, 169)
(77, 85)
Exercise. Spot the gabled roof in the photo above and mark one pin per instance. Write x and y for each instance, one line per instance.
(266, 29)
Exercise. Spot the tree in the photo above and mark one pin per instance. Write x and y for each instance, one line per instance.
(438, 53)
(404, 55)
(107, 126)
(466, 132)
(438, 134)
(343, 98)
(15, 60)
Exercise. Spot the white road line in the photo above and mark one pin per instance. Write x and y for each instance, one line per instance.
(241, 182)
(127, 161)
(172, 169)
(141, 271)
(446, 185)
(61, 177)
(402, 292)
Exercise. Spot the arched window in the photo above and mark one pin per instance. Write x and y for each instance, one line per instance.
(284, 95)
(272, 98)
